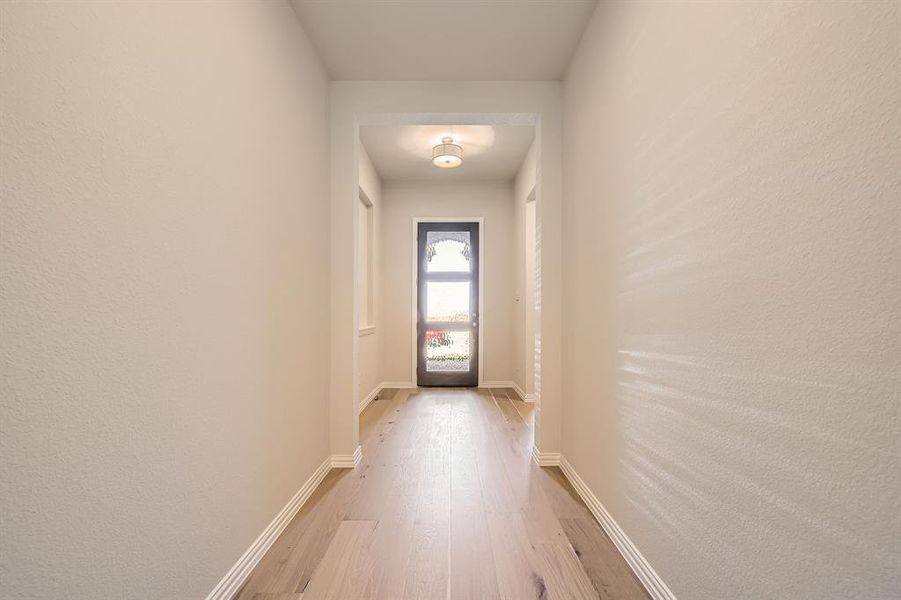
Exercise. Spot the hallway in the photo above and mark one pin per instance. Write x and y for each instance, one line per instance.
(441, 468)
(648, 250)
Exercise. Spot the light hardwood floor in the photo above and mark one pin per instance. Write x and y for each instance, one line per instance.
(447, 504)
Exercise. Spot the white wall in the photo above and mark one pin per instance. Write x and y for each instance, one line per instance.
(524, 281)
(356, 103)
(402, 202)
(164, 195)
(731, 283)
(370, 340)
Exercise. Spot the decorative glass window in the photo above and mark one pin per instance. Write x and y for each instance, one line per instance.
(447, 351)
(448, 252)
(448, 301)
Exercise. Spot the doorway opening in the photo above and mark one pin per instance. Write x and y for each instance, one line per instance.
(452, 253)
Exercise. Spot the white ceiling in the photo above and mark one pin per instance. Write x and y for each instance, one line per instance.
(405, 40)
(404, 152)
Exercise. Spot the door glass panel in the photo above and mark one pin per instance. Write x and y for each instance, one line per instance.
(447, 301)
(447, 252)
(447, 351)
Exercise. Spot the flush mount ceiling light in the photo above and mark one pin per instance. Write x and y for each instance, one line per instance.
(447, 154)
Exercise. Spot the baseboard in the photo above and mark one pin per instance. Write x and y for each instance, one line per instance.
(496, 384)
(370, 397)
(638, 563)
(545, 459)
(238, 574)
(399, 385)
(347, 461)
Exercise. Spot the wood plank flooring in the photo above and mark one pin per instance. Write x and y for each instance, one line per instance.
(446, 505)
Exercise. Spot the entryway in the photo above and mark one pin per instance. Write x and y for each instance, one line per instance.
(447, 260)
(448, 311)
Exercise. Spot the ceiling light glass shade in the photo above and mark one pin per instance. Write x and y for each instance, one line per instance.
(447, 155)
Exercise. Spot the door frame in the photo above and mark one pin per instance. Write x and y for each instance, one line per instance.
(415, 288)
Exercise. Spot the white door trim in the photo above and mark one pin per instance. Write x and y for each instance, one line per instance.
(480, 336)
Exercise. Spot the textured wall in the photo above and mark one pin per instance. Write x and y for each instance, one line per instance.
(732, 291)
(524, 274)
(164, 374)
(369, 349)
(404, 200)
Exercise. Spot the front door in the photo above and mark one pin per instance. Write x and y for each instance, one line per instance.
(448, 304)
